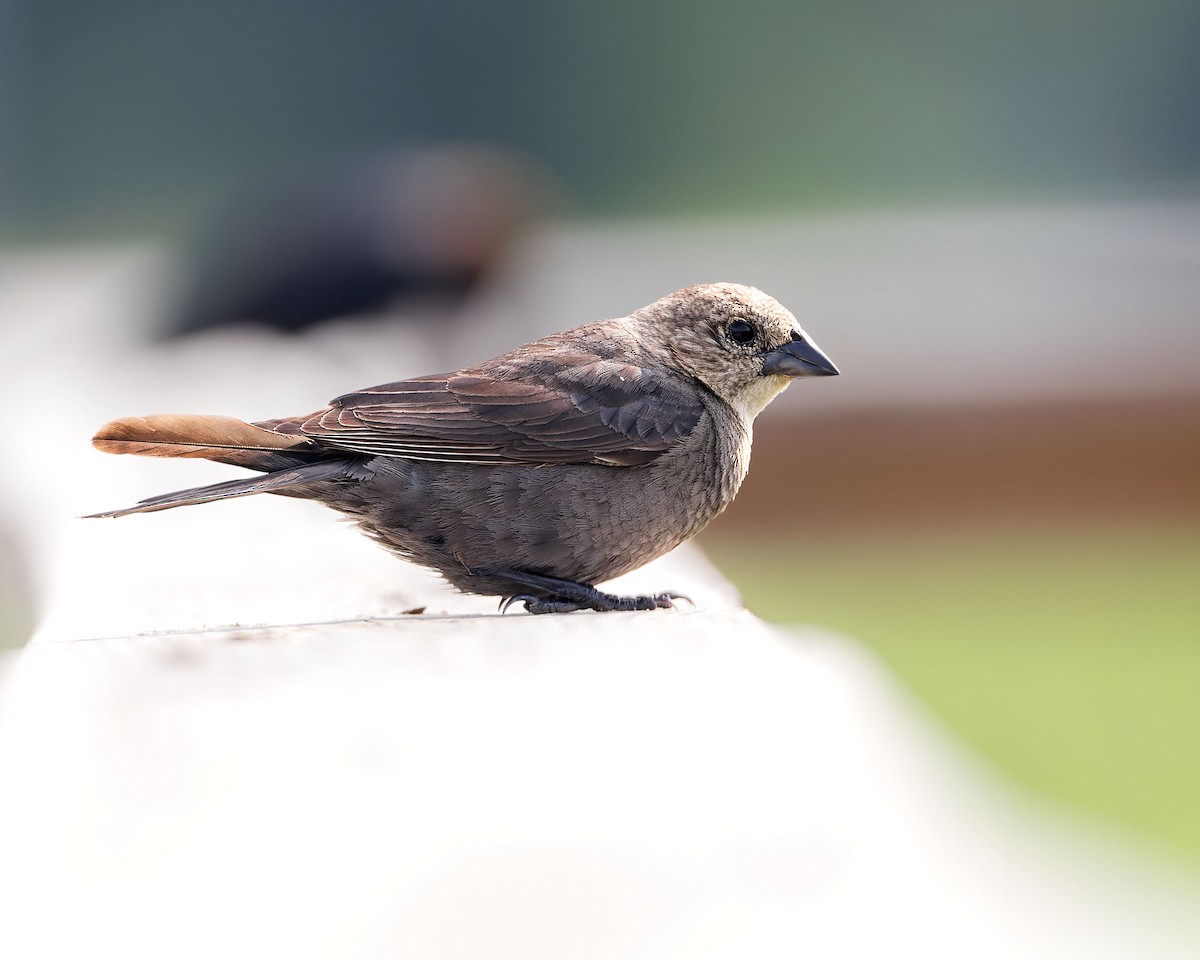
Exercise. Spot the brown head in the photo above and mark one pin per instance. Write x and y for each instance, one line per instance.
(742, 344)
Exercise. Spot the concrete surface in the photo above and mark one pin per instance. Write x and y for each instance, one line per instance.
(228, 739)
(684, 784)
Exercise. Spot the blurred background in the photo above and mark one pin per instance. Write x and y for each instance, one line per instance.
(987, 214)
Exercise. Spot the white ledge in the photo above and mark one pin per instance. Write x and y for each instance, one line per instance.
(686, 783)
(228, 739)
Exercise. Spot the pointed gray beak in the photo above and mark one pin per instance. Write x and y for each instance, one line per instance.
(800, 358)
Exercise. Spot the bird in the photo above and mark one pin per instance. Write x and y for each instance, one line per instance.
(427, 224)
(538, 474)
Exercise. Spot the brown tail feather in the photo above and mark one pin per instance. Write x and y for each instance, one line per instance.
(224, 439)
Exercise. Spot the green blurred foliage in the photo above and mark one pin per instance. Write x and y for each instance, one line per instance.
(10, 634)
(1069, 659)
(131, 115)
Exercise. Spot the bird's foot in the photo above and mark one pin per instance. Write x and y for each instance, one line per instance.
(566, 596)
(602, 602)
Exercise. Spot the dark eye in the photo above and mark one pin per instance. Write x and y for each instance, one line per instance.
(739, 331)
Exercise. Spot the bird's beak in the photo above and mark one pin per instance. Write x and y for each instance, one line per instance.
(800, 358)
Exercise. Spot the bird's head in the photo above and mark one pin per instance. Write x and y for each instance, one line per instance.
(740, 343)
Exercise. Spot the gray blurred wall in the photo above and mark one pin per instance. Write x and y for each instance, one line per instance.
(133, 117)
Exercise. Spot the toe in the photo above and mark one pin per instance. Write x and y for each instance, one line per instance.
(525, 598)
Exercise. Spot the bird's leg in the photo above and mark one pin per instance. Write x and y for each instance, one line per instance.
(566, 596)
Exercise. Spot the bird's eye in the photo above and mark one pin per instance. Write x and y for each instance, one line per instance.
(739, 331)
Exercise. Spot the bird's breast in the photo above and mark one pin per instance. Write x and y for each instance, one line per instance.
(582, 522)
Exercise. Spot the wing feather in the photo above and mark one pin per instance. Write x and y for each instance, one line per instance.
(559, 404)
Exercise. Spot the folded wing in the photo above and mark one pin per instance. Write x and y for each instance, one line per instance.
(570, 407)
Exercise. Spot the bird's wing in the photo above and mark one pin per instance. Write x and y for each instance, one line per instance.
(577, 409)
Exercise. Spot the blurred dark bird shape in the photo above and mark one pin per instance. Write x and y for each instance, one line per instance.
(414, 225)
(541, 472)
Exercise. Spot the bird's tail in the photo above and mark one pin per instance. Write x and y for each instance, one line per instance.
(287, 462)
(223, 439)
(280, 481)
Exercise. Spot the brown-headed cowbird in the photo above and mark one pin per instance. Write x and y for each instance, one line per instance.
(541, 472)
(421, 224)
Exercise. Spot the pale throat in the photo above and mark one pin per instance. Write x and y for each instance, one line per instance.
(754, 397)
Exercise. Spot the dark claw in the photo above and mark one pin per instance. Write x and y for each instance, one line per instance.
(525, 598)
